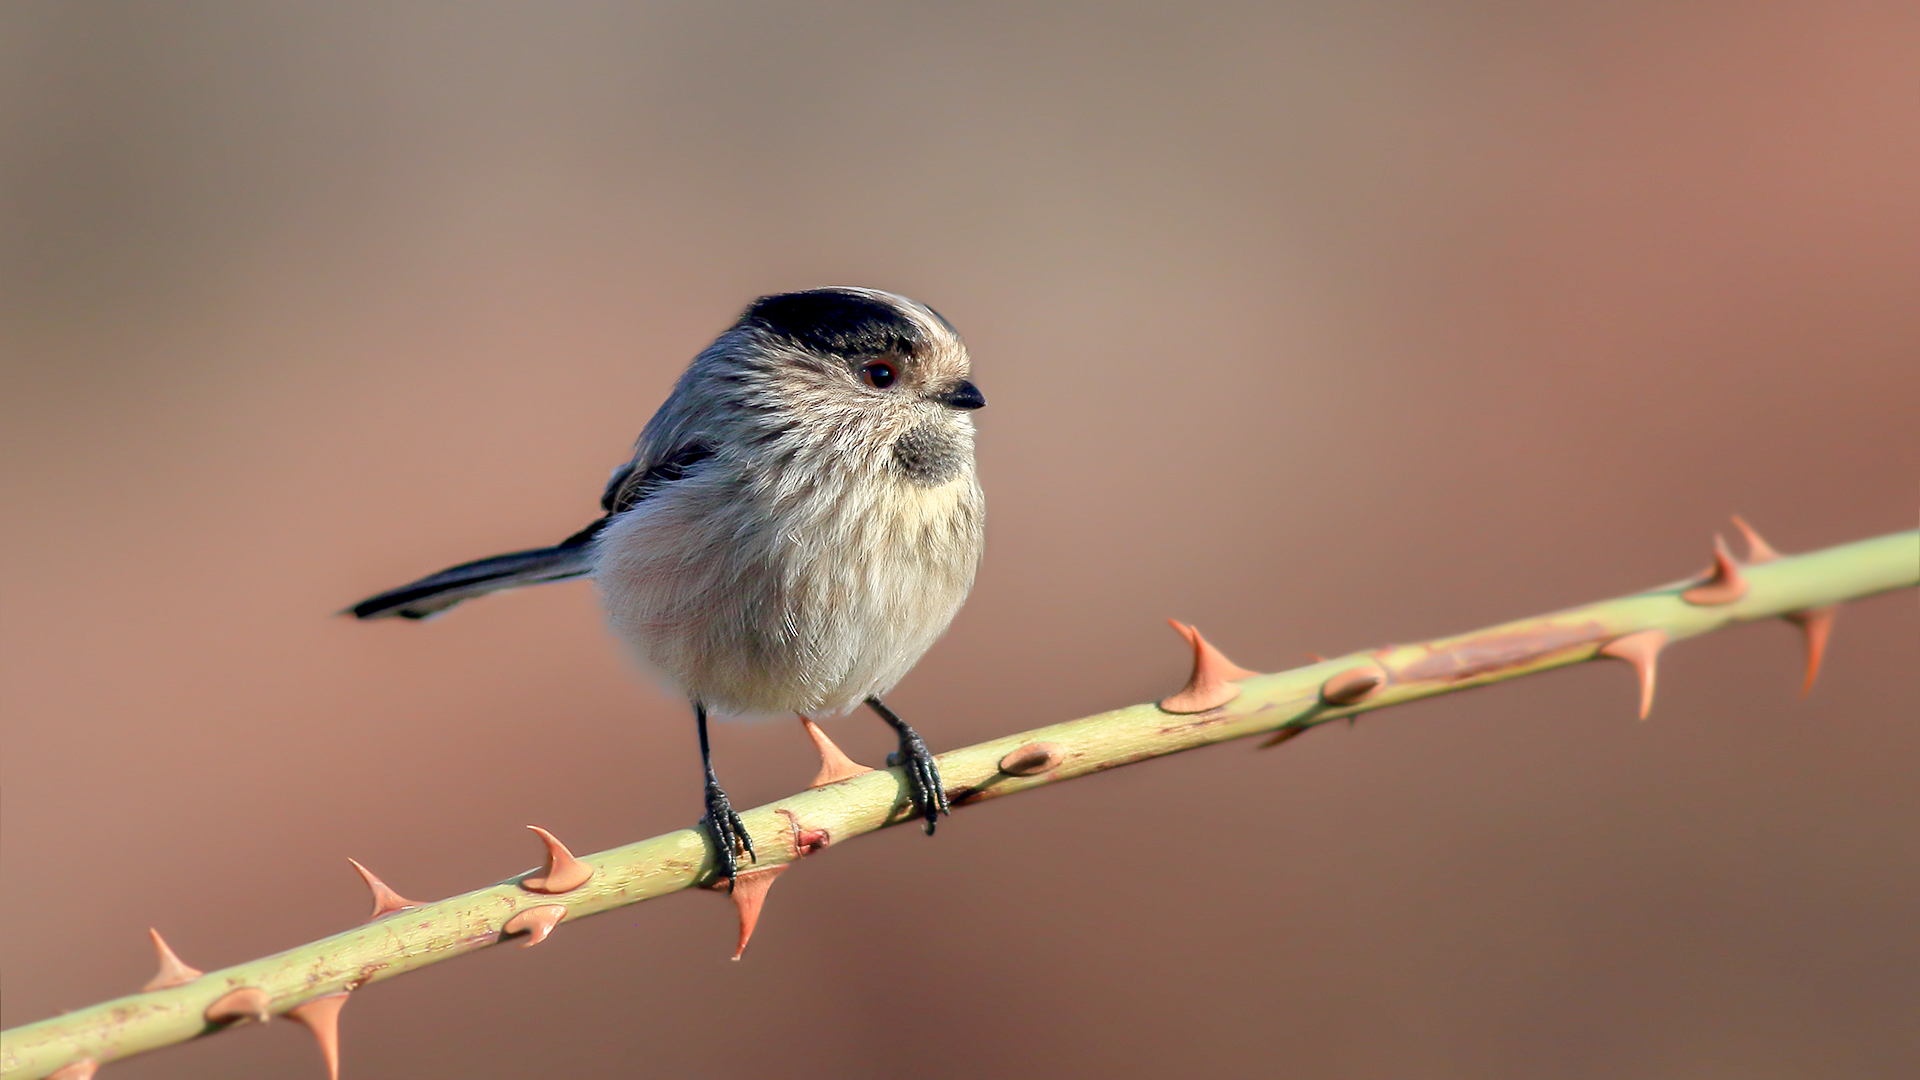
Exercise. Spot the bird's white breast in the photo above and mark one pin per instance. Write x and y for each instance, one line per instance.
(808, 599)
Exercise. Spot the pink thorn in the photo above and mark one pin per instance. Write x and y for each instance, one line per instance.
(172, 971)
(1642, 650)
(535, 922)
(385, 900)
(78, 1070)
(245, 1003)
(1817, 625)
(749, 896)
(835, 766)
(1758, 550)
(1210, 686)
(1353, 684)
(1032, 759)
(563, 872)
(1723, 583)
(322, 1017)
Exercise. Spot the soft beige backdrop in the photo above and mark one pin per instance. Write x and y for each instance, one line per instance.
(1319, 325)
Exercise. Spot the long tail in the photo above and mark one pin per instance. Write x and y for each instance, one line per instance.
(438, 592)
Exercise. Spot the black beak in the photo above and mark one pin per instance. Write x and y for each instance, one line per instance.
(963, 395)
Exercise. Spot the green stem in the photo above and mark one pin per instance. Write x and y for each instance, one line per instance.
(678, 860)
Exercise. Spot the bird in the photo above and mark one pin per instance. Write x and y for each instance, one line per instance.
(799, 521)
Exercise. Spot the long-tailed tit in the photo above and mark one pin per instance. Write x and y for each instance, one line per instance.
(799, 522)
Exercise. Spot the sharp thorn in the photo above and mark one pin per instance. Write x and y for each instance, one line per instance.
(172, 972)
(749, 897)
(1816, 624)
(322, 1017)
(535, 922)
(1758, 550)
(1032, 759)
(835, 766)
(385, 900)
(245, 1003)
(1723, 583)
(1642, 650)
(77, 1070)
(563, 872)
(1211, 685)
(1353, 684)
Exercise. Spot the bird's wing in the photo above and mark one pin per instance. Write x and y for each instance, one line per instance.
(632, 483)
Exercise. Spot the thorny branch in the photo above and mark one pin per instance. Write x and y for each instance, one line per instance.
(1220, 702)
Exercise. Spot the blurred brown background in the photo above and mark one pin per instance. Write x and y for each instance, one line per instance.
(1319, 325)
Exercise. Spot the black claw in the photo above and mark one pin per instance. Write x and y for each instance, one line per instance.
(724, 826)
(924, 779)
(923, 773)
(728, 832)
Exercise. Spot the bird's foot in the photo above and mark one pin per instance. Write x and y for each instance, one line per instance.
(923, 777)
(730, 839)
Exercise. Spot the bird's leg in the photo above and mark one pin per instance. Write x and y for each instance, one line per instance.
(729, 835)
(923, 774)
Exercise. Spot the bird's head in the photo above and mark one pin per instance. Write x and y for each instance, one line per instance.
(878, 376)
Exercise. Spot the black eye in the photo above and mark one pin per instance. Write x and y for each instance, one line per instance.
(878, 376)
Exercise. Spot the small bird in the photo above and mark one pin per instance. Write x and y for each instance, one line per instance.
(799, 521)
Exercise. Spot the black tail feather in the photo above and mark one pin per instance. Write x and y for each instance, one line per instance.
(438, 592)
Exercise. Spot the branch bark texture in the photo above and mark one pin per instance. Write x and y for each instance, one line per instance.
(1280, 704)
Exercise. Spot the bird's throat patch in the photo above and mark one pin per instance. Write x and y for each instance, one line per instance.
(930, 454)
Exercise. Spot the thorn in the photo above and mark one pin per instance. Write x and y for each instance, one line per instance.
(749, 896)
(1283, 735)
(172, 971)
(835, 766)
(78, 1070)
(1316, 658)
(1210, 685)
(1032, 759)
(1817, 625)
(322, 1017)
(1352, 684)
(805, 841)
(385, 900)
(246, 1003)
(1758, 550)
(563, 872)
(1723, 584)
(535, 922)
(1642, 650)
